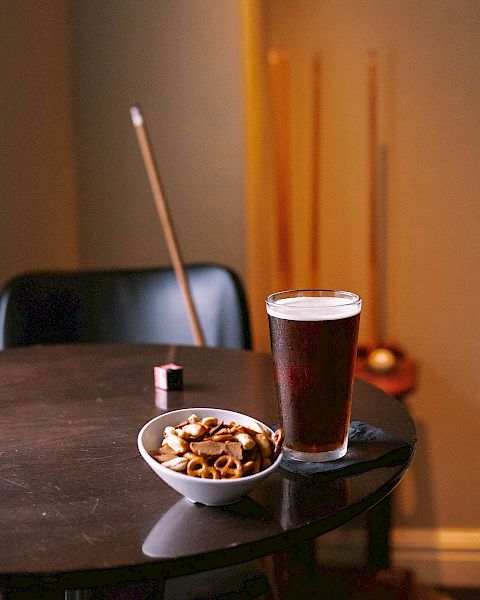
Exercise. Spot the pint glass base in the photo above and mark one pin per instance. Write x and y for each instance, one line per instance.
(316, 456)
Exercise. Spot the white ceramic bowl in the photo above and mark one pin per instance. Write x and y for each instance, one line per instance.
(212, 492)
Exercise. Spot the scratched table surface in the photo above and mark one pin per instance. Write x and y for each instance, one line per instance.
(77, 499)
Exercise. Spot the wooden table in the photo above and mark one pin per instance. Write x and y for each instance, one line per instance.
(79, 504)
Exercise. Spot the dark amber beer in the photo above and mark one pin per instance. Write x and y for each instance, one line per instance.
(313, 337)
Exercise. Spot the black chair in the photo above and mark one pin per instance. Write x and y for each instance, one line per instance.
(131, 305)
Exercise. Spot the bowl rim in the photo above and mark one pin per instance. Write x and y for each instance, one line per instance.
(199, 481)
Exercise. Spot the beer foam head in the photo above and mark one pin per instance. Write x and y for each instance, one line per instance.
(314, 308)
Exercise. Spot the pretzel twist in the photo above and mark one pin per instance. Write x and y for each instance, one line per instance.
(198, 467)
(229, 467)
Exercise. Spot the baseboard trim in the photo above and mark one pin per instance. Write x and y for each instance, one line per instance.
(437, 556)
(446, 557)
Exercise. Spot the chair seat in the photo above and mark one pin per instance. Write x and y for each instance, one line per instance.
(242, 582)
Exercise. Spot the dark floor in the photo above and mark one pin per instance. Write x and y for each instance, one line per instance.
(301, 583)
(354, 585)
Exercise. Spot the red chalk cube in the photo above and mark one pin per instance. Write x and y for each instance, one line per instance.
(168, 377)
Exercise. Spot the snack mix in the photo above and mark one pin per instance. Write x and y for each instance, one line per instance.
(212, 449)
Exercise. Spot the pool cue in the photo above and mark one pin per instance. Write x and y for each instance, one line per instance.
(373, 197)
(380, 358)
(315, 172)
(165, 219)
(278, 74)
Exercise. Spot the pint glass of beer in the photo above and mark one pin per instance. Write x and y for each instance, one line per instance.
(313, 336)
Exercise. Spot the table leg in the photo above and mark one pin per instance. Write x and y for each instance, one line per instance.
(136, 590)
(84, 594)
(295, 568)
(378, 524)
(271, 572)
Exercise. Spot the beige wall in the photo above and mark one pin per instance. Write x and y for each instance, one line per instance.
(37, 176)
(429, 55)
(181, 61)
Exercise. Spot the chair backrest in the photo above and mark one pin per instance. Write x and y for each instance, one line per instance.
(131, 305)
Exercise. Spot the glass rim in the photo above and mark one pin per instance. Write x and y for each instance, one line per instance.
(351, 298)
